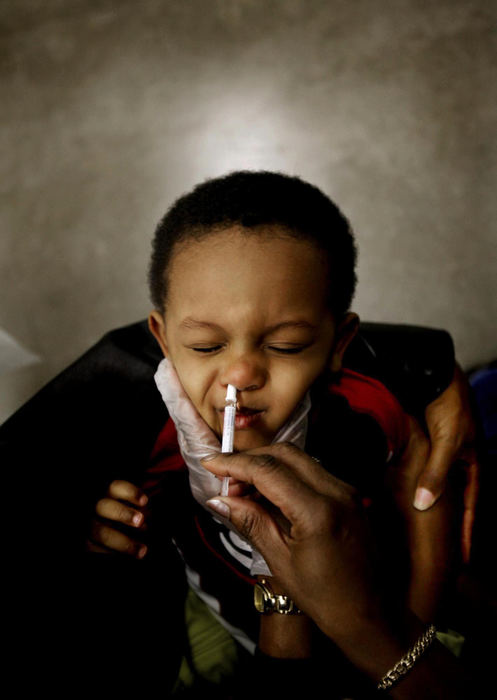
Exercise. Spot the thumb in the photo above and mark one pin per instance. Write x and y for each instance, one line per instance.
(432, 481)
(191, 427)
(252, 522)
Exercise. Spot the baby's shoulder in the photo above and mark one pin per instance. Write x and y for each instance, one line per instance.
(367, 395)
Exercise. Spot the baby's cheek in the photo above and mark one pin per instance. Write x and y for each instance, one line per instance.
(213, 420)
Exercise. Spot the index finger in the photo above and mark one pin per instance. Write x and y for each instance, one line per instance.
(126, 491)
(274, 479)
(307, 468)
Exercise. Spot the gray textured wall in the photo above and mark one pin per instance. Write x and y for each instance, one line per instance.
(112, 109)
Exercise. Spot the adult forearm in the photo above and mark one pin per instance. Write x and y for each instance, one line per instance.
(285, 636)
(324, 556)
(376, 646)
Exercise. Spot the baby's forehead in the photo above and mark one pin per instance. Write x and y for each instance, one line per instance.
(222, 238)
(247, 250)
(223, 232)
(231, 266)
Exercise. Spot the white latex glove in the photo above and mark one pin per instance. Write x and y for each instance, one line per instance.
(196, 440)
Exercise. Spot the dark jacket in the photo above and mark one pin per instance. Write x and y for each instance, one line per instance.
(97, 421)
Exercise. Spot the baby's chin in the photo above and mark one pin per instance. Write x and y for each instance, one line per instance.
(249, 440)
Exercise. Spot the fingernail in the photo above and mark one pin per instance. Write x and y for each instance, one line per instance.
(137, 519)
(423, 499)
(142, 551)
(220, 507)
(143, 500)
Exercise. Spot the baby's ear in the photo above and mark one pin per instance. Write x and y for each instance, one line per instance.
(345, 332)
(157, 327)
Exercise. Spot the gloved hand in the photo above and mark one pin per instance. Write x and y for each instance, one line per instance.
(196, 440)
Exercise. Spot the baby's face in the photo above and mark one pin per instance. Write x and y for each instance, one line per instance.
(247, 310)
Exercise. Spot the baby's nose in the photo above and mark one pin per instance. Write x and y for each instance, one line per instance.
(245, 374)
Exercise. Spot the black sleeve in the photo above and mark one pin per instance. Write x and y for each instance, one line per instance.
(94, 422)
(415, 363)
(80, 615)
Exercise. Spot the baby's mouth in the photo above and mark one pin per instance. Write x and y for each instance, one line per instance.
(247, 417)
(246, 410)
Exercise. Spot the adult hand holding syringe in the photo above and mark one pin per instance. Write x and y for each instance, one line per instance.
(197, 441)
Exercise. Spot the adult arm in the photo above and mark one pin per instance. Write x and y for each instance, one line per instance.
(431, 535)
(418, 365)
(315, 536)
(452, 431)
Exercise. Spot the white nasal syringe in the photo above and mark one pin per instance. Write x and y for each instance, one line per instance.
(228, 429)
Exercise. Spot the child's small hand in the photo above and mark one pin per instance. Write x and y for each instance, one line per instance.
(117, 507)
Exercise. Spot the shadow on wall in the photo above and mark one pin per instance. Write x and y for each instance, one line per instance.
(110, 112)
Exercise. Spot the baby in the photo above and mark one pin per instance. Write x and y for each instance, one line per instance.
(252, 278)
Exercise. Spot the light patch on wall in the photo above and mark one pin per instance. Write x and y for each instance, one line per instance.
(13, 355)
(240, 133)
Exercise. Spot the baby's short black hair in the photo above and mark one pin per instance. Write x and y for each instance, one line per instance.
(253, 199)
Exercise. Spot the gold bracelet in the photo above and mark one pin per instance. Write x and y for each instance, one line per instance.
(408, 661)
